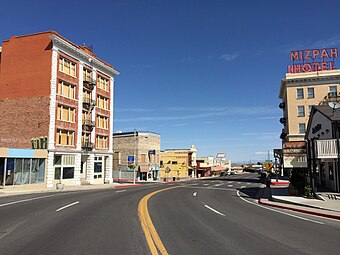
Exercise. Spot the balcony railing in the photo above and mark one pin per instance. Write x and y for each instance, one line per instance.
(87, 146)
(89, 83)
(88, 125)
(88, 103)
(326, 149)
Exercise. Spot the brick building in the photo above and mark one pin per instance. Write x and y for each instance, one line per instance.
(58, 97)
(136, 149)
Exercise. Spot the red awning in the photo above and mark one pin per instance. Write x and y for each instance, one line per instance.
(217, 168)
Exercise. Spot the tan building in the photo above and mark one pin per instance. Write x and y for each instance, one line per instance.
(178, 163)
(139, 150)
(299, 92)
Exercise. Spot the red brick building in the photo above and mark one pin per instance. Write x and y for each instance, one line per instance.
(57, 96)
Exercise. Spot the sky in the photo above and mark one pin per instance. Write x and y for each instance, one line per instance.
(197, 72)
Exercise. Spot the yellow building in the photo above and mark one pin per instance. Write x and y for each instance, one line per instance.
(299, 92)
(178, 163)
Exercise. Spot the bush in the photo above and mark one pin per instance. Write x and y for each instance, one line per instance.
(307, 191)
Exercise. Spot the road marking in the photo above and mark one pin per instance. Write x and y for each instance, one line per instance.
(118, 191)
(217, 185)
(206, 184)
(230, 182)
(230, 185)
(195, 194)
(11, 229)
(152, 238)
(288, 214)
(25, 200)
(62, 208)
(214, 210)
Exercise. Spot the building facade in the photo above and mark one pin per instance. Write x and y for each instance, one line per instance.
(178, 163)
(136, 153)
(299, 92)
(62, 96)
(323, 134)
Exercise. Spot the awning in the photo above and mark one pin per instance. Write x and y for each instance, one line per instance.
(217, 168)
(143, 169)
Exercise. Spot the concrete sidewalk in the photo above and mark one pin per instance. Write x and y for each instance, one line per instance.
(327, 206)
(34, 190)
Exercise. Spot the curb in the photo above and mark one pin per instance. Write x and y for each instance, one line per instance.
(128, 185)
(336, 217)
(279, 183)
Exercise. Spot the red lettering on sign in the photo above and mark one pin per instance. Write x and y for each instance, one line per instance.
(294, 55)
(316, 53)
(324, 54)
(307, 54)
(334, 52)
(307, 67)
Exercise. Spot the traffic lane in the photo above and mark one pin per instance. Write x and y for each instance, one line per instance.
(186, 226)
(104, 221)
(286, 228)
(200, 230)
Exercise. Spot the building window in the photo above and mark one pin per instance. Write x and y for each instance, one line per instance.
(102, 142)
(28, 171)
(331, 171)
(143, 158)
(310, 92)
(66, 90)
(174, 162)
(65, 137)
(302, 128)
(66, 66)
(299, 93)
(332, 91)
(102, 102)
(309, 108)
(102, 122)
(301, 111)
(66, 113)
(103, 83)
(87, 74)
(64, 167)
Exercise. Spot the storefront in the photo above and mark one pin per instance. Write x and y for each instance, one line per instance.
(22, 167)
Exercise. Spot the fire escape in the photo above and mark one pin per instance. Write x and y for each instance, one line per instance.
(88, 106)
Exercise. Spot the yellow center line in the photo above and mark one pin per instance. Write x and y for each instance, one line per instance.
(151, 235)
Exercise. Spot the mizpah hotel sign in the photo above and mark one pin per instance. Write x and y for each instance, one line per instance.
(313, 60)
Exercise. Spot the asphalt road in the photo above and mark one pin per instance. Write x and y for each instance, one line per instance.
(211, 216)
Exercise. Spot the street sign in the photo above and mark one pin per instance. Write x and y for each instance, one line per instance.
(269, 165)
(131, 159)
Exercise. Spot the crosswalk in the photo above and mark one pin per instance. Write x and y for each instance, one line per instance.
(227, 183)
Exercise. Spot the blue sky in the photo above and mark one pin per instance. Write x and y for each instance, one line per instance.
(197, 72)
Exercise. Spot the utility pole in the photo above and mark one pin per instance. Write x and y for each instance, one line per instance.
(134, 156)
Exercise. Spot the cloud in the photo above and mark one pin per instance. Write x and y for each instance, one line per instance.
(263, 152)
(198, 113)
(133, 110)
(229, 57)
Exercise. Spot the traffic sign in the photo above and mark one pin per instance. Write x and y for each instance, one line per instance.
(269, 165)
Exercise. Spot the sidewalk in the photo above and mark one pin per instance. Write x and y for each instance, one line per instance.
(30, 190)
(277, 196)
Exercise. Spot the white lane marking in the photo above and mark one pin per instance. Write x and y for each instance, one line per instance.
(194, 184)
(212, 209)
(248, 183)
(26, 200)
(217, 185)
(11, 229)
(118, 191)
(238, 182)
(230, 185)
(62, 208)
(288, 214)
(206, 184)
(195, 194)
(230, 182)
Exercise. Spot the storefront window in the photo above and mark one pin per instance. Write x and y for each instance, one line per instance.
(64, 167)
